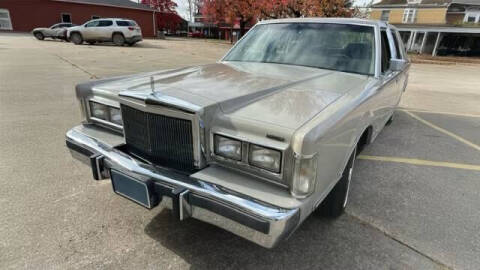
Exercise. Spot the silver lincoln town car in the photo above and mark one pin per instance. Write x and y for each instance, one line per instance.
(257, 141)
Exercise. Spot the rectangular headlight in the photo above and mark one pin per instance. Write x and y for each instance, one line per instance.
(116, 116)
(99, 111)
(305, 175)
(106, 113)
(265, 158)
(228, 147)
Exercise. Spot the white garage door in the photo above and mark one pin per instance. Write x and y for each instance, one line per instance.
(5, 22)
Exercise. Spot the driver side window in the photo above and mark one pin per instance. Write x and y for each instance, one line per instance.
(92, 24)
(386, 53)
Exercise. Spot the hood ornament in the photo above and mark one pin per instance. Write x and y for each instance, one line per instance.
(152, 84)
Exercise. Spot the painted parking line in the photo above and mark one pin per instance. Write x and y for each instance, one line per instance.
(436, 112)
(455, 136)
(421, 162)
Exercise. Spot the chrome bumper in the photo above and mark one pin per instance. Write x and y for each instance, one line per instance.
(251, 219)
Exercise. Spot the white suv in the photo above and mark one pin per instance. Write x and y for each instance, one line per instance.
(118, 31)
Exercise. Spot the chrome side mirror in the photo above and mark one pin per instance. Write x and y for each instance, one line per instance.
(397, 64)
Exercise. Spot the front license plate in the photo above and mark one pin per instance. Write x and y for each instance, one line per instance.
(131, 188)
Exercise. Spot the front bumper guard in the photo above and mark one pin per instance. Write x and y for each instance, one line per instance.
(246, 217)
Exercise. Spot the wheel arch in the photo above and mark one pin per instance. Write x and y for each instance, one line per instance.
(364, 139)
(118, 32)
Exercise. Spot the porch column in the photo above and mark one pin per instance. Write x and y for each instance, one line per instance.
(411, 40)
(423, 41)
(439, 37)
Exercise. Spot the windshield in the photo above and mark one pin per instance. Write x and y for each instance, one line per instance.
(341, 47)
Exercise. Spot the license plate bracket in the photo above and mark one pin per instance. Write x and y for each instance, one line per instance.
(134, 189)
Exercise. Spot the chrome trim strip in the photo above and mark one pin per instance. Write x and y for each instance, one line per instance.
(281, 221)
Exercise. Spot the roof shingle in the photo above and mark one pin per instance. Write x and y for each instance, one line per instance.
(115, 3)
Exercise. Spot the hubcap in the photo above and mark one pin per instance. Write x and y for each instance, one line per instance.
(349, 178)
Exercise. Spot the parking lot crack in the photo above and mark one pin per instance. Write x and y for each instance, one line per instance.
(451, 134)
(92, 76)
(401, 242)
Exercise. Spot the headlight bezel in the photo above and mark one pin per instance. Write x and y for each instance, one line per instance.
(243, 165)
(106, 121)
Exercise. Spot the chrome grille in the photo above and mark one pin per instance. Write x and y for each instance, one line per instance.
(160, 139)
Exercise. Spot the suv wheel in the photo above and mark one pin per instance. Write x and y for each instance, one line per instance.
(118, 39)
(336, 201)
(76, 38)
(39, 35)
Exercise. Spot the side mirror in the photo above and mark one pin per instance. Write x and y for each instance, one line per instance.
(397, 64)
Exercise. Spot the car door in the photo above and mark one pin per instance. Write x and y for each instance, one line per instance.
(59, 30)
(88, 31)
(388, 96)
(104, 30)
(50, 32)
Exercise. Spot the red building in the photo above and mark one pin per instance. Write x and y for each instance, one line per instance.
(25, 15)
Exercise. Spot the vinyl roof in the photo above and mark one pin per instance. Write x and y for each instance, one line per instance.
(325, 20)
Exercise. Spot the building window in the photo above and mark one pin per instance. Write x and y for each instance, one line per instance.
(66, 18)
(5, 22)
(409, 15)
(94, 17)
(472, 17)
(385, 15)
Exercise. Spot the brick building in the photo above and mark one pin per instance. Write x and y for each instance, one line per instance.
(25, 15)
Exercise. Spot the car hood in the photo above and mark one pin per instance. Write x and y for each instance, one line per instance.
(40, 29)
(282, 95)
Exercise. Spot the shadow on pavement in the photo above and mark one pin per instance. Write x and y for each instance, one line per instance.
(321, 243)
(139, 45)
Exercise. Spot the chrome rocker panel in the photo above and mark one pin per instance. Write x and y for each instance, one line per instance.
(259, 222)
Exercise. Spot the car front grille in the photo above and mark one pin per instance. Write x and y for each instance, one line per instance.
(160, 139)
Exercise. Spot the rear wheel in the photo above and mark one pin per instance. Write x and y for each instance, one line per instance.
(39, 35)
(336, 201)
(76, 38)
(118, 39)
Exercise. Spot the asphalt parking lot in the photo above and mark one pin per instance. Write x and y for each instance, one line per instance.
(414, 202)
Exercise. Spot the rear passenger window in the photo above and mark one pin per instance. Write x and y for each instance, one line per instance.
(125, 23)
(104, 23)
(386, 54)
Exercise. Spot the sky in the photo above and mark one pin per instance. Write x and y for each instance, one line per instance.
(182, 8)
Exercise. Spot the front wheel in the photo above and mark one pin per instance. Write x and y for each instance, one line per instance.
(336, 201)
(39, 36)
(118, 39)
(76, 38)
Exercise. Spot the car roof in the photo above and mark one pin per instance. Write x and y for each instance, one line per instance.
(118, 19)
(328, 20)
